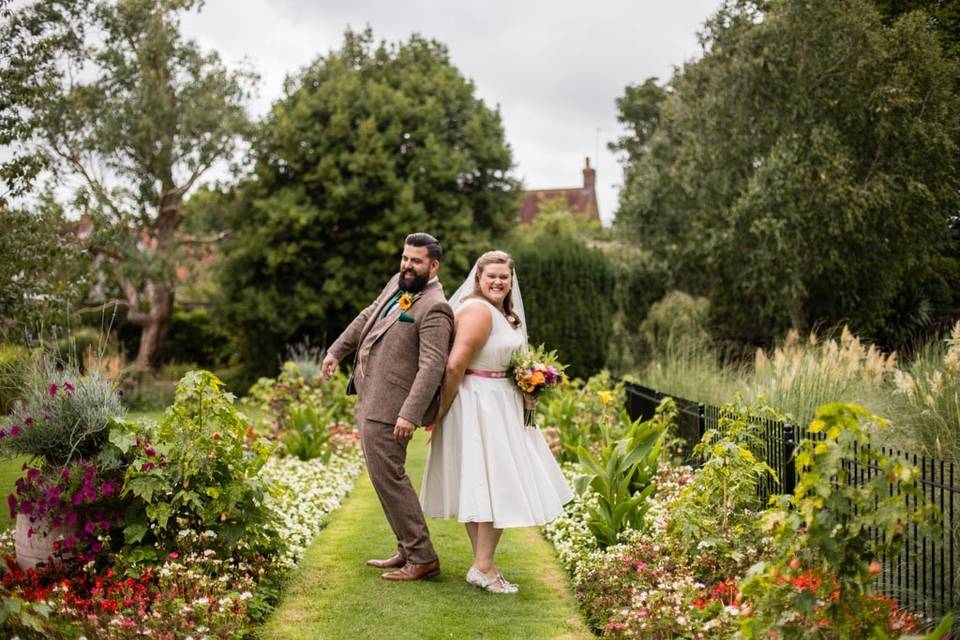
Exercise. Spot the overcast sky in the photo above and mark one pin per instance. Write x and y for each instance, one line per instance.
(554, 68)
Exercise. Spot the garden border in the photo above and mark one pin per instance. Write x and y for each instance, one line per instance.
(925, 576)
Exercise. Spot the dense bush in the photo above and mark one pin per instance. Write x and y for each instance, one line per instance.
(195, 337)
(678, 318)
(567, 294)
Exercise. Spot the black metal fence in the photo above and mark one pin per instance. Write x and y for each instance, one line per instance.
(925, 577)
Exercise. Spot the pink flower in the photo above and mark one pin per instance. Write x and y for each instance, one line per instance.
(33, 474)
(150, 451)
(15, 430)
(174, 555)
(69, 387)
(28, 422)
(53, 389)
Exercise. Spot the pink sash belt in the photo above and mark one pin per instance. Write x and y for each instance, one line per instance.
(485, 373)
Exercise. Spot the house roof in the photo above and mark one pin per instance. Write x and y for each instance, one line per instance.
(582, 200)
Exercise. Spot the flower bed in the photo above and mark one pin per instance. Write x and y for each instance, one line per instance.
(184, 529)
(709, 562)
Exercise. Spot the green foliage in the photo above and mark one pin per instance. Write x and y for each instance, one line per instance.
(194, 336)
(576, 413)
(198, 468)
(112, 101)
(620, 475)
(15, 364)
(832, 531)
(371, 142)
(43, 272)
(22, 618)
(639, 281)
(63, 415)
(717, 510)
(927, 395)
(567, 297)
(677, 319)
(803, 170)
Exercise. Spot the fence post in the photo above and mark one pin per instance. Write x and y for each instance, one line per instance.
(789, 462)
(701, 420)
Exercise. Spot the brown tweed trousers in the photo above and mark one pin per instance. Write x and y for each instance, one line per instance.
(397, 371)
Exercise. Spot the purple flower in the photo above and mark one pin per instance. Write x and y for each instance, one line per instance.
(33, 474)
(3, 434)
(65, 474)
(71, 518)
(90, 527)
(12, 503)
(53, 389)
(15, 430)
(150, 452)
(120, 392)
(148, 466)
(69, 387)
(70, 542)
(28, 422)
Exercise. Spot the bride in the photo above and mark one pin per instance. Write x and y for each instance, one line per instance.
(485, 467)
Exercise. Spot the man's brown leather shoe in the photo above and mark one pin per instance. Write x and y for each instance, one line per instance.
(395, 562)
(411, 571)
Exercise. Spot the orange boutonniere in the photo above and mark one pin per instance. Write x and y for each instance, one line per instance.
(405, 302)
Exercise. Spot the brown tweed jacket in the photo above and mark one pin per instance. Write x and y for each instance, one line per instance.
(399, 365)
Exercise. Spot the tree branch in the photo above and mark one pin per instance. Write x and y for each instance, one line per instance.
(101, 307)
(223, 235)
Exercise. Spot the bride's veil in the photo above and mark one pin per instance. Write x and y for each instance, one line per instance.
(465, 289)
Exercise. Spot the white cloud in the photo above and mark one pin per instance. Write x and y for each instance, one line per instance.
(554, 68)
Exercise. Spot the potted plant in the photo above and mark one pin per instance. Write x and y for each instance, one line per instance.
(61, 426)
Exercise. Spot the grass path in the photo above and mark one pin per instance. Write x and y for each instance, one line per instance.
(333, 595)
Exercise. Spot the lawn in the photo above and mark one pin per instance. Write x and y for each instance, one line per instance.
(333, 595)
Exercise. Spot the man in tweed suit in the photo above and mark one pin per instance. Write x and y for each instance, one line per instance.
(401, 342)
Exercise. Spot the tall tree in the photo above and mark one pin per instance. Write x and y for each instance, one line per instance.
(804, 169)
(114, 103)
(370, 142)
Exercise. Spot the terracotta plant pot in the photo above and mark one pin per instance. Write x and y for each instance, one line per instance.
(32, 550)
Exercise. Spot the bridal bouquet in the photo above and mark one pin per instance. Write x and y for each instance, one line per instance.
(534, 371)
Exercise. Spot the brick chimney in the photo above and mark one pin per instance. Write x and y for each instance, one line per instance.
(589, 175)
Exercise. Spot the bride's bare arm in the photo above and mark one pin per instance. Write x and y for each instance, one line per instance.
(473, 325)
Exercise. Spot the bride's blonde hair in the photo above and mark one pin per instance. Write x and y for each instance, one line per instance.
(485, 260)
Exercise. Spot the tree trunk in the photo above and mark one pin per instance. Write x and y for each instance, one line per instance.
(154, 327)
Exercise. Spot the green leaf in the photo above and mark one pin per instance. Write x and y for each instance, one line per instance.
(134, 533)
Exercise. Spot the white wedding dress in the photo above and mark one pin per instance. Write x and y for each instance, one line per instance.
(484, 465)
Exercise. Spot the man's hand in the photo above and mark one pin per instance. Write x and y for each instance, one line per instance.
(403, 430)
(328, 366)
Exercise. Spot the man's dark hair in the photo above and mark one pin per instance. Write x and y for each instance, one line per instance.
(434, 250)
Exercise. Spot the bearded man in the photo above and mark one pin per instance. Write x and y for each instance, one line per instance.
(401, 342)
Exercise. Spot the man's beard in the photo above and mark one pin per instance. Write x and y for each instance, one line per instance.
(414, 284)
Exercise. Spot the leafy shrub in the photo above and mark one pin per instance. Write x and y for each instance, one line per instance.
(566, 294)
(574, 415)
(716, 512)
(678, 318)
(830, 535)
(308, 419)
(197, 468)
(620, 476)
(14, 366)
(64, 415)
(194, 336)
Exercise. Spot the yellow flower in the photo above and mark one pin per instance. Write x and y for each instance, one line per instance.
(606, 397)
(405, 302)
